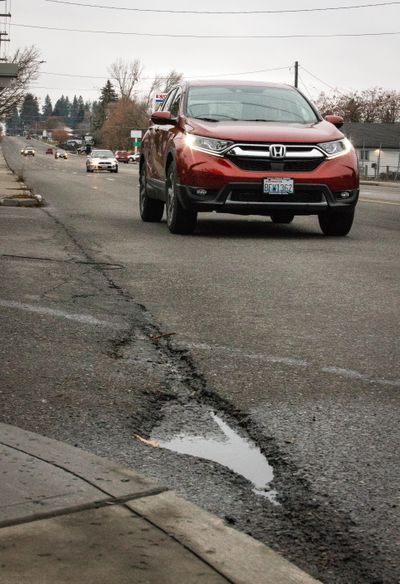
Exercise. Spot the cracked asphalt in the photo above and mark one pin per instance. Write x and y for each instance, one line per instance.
(290, 337)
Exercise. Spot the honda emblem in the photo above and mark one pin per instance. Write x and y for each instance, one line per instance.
(277, 151)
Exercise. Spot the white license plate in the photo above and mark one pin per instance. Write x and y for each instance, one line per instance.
(278, 186)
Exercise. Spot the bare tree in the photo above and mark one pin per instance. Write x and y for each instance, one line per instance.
(374, 105)
(126, 76)
(124, 115)
(28, 62)
(162, 84)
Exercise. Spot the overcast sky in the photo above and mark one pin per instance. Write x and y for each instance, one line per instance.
(346, 63)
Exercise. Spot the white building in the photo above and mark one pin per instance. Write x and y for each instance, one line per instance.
(378, 148)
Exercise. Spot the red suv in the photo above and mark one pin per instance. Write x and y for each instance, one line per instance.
(248, 148)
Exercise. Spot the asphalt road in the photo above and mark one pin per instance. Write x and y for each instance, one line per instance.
(290, 337)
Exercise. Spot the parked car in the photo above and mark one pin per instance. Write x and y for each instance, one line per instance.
(61, 154)
(28, 151)
(122, 156)
(101, 160)
(246, 148)
(134, 157)
(49, 151)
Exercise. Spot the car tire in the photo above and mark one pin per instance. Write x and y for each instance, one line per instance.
(151, 210)
(282, 217)
(336, 223)
(179, 220)
(116, 170)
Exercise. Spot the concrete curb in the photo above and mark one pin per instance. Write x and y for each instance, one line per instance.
(235, 556)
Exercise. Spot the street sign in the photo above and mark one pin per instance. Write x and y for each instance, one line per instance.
(137, 143)
(136, 133)
(159, 98)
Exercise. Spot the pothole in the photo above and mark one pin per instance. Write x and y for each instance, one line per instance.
(200, 432)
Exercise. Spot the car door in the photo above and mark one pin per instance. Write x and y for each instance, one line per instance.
(168, 131)
(155, 155)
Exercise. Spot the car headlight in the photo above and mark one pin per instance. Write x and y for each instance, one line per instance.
(209, 145)
(336, 147)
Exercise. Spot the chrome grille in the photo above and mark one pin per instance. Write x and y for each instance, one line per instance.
(258, 158)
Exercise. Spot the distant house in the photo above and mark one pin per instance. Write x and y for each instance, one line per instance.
(378, 148)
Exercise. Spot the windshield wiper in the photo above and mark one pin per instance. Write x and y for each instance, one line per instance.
(258, 120)
(206, 119)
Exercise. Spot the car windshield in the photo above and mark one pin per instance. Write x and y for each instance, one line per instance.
(249, 103)
(102, 154)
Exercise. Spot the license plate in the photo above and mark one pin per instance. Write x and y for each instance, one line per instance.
(278, 186)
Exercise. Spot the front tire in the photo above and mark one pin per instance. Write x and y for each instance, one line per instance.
(336, 223)
(179, 220)
(151, 210)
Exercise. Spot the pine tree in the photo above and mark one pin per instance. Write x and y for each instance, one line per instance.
(107, 97)
(13, 123)
(74, 112)
(30, 111)
(62, 108)
(47, 109)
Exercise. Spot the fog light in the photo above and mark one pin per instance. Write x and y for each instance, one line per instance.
(201, 192)
(345, 195)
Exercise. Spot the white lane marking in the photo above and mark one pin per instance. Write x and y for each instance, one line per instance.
(379, 202)
(95, 188)
(259, 356)
(351, 374)
(45, 311)
(112, 179)
(295, 362)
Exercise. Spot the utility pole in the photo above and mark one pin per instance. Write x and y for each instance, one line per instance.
(296, 74)
(4, 34)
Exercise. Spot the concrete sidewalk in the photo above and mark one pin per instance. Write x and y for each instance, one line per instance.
(69, 516)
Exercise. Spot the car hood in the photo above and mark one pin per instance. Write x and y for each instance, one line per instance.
(266, 131)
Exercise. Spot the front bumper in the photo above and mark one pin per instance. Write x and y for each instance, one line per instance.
(247, 198)
(102, 166)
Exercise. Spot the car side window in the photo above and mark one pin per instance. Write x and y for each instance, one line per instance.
(174, 109)
(168, 101)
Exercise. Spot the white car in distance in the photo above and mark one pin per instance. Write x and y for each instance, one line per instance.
(61, 154)
(101, 160)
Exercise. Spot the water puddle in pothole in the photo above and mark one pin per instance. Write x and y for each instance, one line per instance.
(205, 435)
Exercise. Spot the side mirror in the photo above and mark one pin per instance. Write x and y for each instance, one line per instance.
(163, 118)
(337, 121)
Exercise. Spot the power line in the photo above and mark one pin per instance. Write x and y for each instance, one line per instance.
(228, 12)
(209, 36)
(157, 77)
(321, 81)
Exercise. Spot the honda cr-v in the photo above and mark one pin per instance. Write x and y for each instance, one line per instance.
(247, 148)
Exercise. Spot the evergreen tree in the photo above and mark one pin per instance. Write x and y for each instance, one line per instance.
(108, 96)
(81, 110)
(47, 109)
(13, 122)
(73, 120)
(62, 108)
(30, 111)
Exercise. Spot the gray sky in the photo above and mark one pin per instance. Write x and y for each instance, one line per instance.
(345, 63)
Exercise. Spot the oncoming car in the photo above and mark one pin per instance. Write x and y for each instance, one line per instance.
(28, 151)
(247, 148)
(61, 154)
(101, 160)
